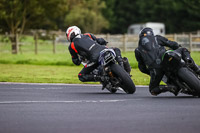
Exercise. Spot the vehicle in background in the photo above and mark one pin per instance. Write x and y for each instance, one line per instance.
(158, 28)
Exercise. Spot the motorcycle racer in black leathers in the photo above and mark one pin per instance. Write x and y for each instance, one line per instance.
(149, 54)
(86, 47)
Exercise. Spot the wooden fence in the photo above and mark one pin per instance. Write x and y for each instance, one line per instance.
(130, 42)
(124, 42)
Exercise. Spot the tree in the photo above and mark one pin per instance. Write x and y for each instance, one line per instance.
(191, 23)
(16, 15)
(87, 14)
(178, 16)
(121, 14)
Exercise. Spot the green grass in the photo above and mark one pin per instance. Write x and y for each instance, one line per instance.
(39, 59)
(38, 74)
(53, 74)
(50, 59)
(45, 54)
(46, 67)
(27, 45)
(62, 58)
(50, 68)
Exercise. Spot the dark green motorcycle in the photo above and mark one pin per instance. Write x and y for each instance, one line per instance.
(179, 73)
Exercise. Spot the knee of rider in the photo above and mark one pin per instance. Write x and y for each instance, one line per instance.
(186, 53)
(185, 50)
(117, 51)
(118, 55)
(81, 78)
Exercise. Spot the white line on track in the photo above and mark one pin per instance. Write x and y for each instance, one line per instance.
(77, 101)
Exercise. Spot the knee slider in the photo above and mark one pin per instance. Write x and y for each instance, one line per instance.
(81, 77)
(155, 91)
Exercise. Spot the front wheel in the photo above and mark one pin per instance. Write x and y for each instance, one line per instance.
(190, 79)
(126, 82)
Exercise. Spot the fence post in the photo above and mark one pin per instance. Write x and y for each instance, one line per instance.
(124, 43)
(175, 37)
(17, 44)
(190, 42)
(36, 44)
(54, 44)
(14, 43)
(108, 38)
(198, 32)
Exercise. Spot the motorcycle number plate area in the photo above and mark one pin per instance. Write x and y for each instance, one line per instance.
(108, 57)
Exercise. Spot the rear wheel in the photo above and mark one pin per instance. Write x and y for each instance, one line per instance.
(126, 82)
(190, 79)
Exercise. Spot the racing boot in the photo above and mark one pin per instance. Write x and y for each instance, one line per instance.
(127, 66)
(120, 61)
(190, 62)
(171, 88)
(196, 68)
(164, 88)
(118, 57)
(121, 64)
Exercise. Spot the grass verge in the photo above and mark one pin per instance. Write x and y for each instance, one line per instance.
(53, 74)
(62, 59)
(56, 68)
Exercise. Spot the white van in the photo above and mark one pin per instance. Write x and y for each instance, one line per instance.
(158, 28)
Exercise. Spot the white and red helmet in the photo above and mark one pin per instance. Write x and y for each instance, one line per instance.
(72, 32)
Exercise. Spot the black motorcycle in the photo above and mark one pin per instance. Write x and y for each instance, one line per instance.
(115, 77)
(179, 73)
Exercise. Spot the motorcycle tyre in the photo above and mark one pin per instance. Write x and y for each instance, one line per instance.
(127, 84)
(190, 79)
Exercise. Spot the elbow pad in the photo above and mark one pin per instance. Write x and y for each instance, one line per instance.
(174, 45)
(101, 41)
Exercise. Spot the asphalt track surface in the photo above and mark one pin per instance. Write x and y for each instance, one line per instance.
(60, 108)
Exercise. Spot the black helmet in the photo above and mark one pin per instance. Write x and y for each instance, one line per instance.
(146, 32)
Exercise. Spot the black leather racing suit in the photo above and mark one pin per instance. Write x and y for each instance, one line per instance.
(149, 54)
(86, 46)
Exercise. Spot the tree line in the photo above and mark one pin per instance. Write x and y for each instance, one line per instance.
(97, 16)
